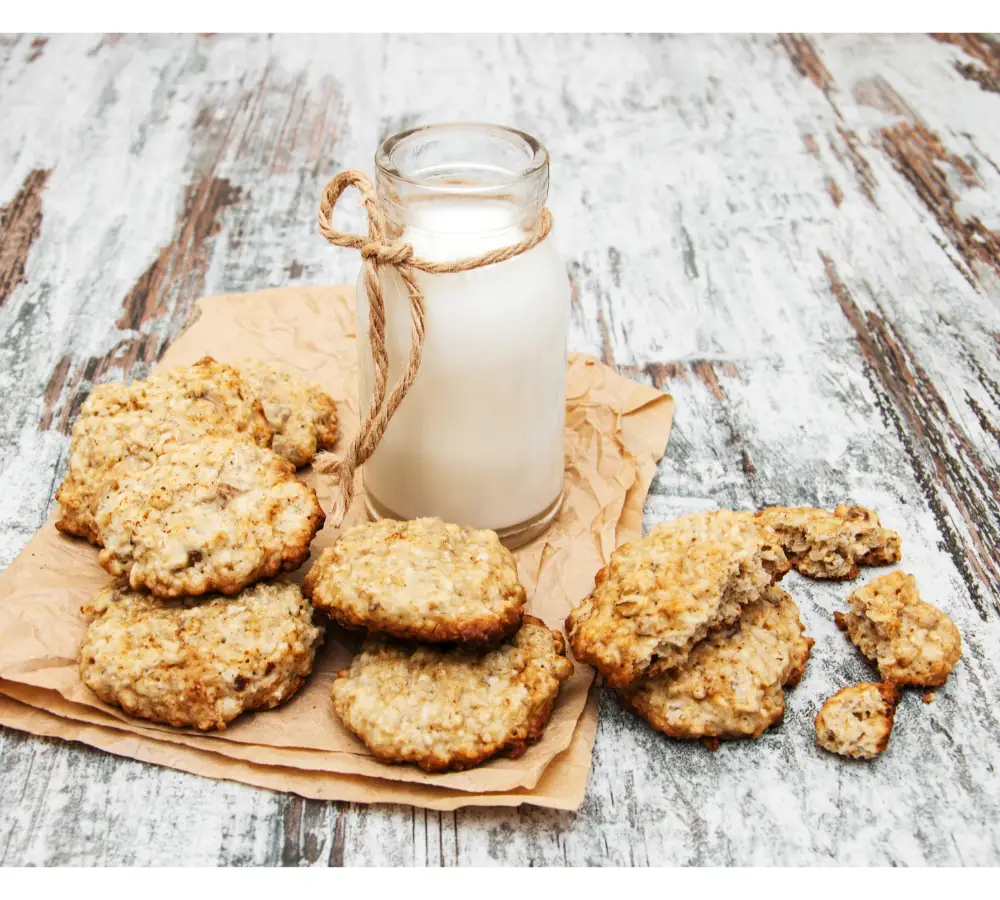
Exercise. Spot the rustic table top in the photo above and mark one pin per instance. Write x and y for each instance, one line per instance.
(797, 237)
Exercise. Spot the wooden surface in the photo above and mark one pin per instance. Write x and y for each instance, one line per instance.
(797, 237)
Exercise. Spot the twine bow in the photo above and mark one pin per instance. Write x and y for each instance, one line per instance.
(377, 251)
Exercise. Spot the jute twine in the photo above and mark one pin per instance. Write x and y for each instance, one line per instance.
(378, 251)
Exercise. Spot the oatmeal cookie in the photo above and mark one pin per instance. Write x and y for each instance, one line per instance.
(452, 709)
(125, 427)
(304, 418)
(662, 594)
(422, 579)
(832, 545)
(909, 640)
(857, 720)
(214, 515)
(731, 685)
(198, 661)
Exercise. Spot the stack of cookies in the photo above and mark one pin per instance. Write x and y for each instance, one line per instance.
(451, 671)
(187, 484)
(689, 628)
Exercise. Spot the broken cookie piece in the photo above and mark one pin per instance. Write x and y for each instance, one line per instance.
(732, 684)
(660, 595)
(857, 721)
(828, 545)
(911, 642)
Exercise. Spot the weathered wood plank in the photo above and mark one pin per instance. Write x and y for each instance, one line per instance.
(984, 49)
(797, 237)
(20, 222)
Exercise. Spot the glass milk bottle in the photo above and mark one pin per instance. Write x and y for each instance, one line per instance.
(478, 440)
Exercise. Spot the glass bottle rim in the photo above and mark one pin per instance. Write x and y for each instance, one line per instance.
(537, 154)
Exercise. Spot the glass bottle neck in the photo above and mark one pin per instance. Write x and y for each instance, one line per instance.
(454, 191)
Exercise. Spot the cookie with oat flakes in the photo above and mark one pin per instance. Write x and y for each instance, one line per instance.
(214, 515)
(661, 594)
(423, 579)
(911, 642)
(732, 683)
(828, 545)
(455, 708)
(198, 662)
(124, 428)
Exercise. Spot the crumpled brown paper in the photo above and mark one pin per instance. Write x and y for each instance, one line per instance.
(616, 432)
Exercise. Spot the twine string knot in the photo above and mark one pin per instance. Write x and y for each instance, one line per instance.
(387, 254)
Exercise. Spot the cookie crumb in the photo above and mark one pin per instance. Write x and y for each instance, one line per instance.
(303, 417)
(856, 722)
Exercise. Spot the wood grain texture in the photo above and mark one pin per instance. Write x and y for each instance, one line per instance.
(985, 50)
(795, 236)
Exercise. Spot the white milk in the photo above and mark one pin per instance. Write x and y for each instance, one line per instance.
(478, 440)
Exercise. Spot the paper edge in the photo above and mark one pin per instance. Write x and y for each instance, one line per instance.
(356, 789)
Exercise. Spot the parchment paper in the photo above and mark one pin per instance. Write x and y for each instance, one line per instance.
(616, 432)
(561, 786)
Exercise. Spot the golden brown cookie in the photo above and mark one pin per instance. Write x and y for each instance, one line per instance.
(909, 640)
(662, 594)
(452, 709)
(198, 662)
(303, 417)
(832, 545)
(857, 721)
(213, 515)
(422, 579)
(125, 427)
(731, 684)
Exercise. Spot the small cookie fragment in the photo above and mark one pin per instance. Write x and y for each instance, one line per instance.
(911, 642)
(214, 515)
(832, 545)
(303, 417)
(857, 721)
(452, 709)
(732, 683)
(126, 427)
(198, 662)
(662, 594)
(422, 579)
